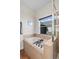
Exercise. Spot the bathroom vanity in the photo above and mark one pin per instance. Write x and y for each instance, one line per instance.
(36, 52)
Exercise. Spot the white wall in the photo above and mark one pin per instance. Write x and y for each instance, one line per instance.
(26, 15)
(37, 26)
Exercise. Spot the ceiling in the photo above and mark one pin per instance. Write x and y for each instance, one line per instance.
(34, 4)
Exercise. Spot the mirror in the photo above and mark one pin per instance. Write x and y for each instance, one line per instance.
(46, 25)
